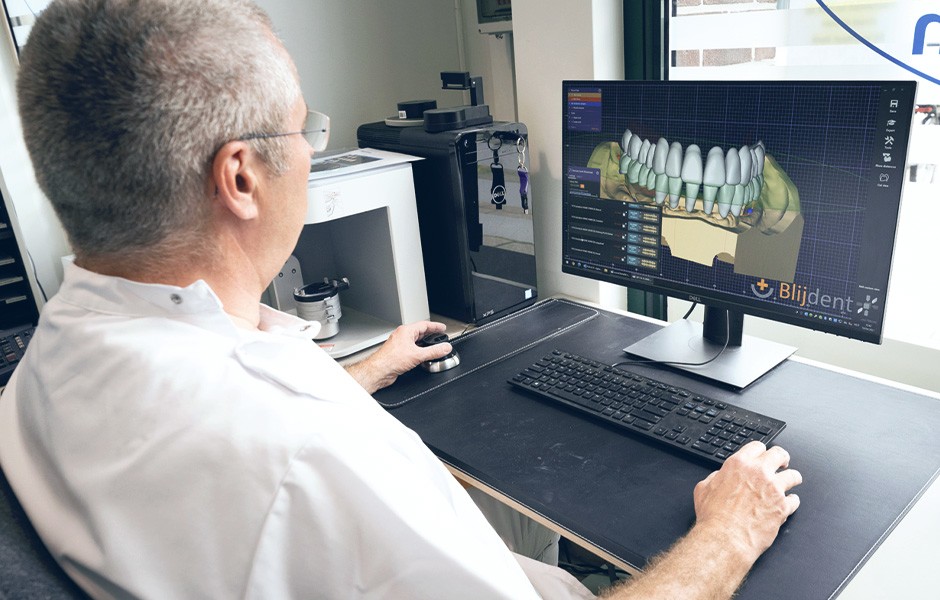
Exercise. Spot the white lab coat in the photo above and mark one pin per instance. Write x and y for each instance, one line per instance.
(161, 452)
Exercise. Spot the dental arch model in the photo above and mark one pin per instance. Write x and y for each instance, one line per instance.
(736, 194)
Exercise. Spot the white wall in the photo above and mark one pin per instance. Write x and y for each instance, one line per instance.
(358, 58)
(556, 40)
(490, 56)
(41, 233)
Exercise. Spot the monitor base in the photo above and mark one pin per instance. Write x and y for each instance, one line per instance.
(738, 366)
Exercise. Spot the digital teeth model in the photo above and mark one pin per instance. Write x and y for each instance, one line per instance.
(724, 185)
(733, 178)
(709, 203)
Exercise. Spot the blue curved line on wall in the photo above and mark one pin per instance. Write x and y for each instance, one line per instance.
(873, 47)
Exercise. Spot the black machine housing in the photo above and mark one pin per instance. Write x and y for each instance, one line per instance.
(466, 279)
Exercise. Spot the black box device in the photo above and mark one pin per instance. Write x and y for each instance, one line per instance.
(476, 231)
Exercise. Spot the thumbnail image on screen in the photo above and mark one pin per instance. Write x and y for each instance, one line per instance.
(778, 199)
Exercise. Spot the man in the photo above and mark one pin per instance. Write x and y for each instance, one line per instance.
(167, 435)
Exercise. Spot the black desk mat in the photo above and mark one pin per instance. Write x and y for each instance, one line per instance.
(866, 451)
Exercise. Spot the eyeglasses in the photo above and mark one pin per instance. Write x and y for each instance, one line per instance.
(316, 131)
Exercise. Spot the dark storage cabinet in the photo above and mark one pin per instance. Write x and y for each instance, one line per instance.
(19, 311)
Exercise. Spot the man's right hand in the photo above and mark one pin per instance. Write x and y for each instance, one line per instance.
(398, 355)
(748, 497)
(739, 510)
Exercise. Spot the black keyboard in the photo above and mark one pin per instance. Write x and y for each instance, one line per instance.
(695, 424)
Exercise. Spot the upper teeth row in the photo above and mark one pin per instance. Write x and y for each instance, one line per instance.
(735, 177)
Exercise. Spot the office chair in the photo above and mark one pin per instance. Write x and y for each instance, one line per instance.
(27, 569)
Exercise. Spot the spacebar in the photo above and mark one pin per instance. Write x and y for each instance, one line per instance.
(574, 398)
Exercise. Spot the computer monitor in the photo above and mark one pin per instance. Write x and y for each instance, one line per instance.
(777, 199)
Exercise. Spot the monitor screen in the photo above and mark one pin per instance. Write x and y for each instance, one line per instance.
(778, 199)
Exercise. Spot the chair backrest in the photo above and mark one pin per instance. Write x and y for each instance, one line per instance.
(27, 569)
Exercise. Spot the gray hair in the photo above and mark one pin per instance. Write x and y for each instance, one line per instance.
(125, 103)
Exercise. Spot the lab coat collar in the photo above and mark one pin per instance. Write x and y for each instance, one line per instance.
(123, 297)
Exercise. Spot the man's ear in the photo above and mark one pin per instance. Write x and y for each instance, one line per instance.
(235, 176)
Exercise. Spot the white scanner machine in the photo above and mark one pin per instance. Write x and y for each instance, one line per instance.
(361, 224)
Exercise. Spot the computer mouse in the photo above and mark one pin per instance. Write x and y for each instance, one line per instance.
(439, 365)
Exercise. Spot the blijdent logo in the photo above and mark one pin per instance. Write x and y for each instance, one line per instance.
(800, 295)
(919, 39)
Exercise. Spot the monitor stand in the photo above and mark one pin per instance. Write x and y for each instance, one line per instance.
(745, 359)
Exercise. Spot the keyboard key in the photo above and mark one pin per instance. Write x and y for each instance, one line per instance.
(703, 447)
